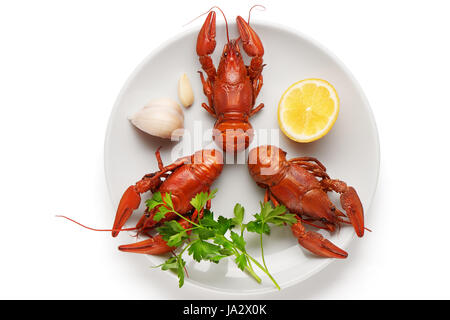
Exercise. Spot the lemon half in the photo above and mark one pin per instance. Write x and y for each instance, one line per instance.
(308, 110)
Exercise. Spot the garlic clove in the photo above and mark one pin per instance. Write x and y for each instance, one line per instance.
(162, 118)
(185, 93)
(165, 103)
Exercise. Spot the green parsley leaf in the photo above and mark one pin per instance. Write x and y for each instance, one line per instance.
(157, 196)
(180, 273)
(212, 194)
(221, 240)
(169, 264)
(287, 218)
(177, 239)
(161, 213)
(268, 214)
(238, 241)
(217, 258)
(203, 250)
(224, 224)
(226, 252)
(239, 212)
(170, 228)
(155, 200)
(266, 208)
(208, 220)
(257, 227)
(277, 215)
(175, 264)
(200, 199)
(168, 200)
(204, 233)
(241, 261)
(277, 211)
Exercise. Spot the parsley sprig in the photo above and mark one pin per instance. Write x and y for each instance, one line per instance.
(208, 239)
(268, 214)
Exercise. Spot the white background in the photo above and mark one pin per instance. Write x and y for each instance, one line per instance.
(62, 65)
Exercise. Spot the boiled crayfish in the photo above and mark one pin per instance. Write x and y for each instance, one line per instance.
(234, 87)
(183, 179)
(294, 184)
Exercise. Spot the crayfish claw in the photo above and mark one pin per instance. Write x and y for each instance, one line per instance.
(154, 246)
(353, 208)
(250, 41)
(130, 201)
(316, 243)
(206, 42)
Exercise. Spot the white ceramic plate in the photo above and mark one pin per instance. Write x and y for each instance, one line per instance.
(350, 150)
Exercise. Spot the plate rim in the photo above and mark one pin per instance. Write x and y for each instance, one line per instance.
(313, 42)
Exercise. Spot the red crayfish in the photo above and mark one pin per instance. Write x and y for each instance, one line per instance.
(234, 87)
(294, 184)
(183, 179)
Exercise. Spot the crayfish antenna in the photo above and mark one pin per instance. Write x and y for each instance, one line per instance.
(95, 229)
(250, 11)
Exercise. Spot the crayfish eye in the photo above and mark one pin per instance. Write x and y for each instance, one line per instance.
(237, 54)
(225, 54)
